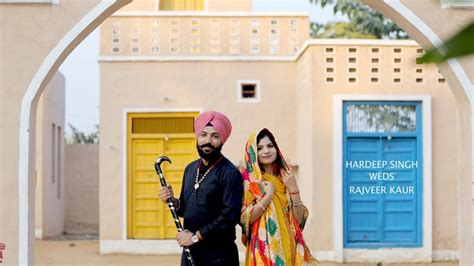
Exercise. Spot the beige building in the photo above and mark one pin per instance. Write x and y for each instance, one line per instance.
(159, 69)
(319, 84)
(49, 202)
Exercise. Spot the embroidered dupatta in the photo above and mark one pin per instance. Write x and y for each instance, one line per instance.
(275, 238)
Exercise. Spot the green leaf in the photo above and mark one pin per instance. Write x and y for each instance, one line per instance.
(460, 44)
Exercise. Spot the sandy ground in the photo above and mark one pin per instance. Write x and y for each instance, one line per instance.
(86, 252)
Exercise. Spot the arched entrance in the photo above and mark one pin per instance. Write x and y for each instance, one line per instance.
(92, 20)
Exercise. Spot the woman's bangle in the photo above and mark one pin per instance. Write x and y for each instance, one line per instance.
(260, 205)
(295, 193)
(298, 203)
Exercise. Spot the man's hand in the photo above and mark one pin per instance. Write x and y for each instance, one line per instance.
(184, 238)
(166, 193)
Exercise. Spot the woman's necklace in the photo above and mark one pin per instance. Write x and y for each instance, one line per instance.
(199, 181)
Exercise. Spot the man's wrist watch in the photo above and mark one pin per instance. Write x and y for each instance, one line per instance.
(195, 238)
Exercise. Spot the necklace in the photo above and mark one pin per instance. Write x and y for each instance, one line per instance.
(199, 181)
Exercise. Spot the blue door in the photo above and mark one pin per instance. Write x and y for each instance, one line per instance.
(382, 186)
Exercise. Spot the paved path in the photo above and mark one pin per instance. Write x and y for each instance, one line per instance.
(86, 252)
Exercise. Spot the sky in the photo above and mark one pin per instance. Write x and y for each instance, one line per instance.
(81, 68)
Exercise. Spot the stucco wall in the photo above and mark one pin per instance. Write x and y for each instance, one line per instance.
(82, 188)
(29, 33)
(50, 164)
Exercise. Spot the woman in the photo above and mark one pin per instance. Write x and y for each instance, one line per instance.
(273, 214)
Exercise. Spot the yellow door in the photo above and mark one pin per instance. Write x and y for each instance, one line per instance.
(151, 136)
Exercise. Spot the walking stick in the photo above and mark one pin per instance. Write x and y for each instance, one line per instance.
(171, 204)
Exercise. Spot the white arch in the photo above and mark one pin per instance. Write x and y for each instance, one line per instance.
(47, 69)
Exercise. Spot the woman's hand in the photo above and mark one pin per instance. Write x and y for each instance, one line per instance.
(289, 180)
(268, 188)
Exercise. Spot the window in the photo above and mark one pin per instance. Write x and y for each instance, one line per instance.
(53, 154)
(214, 41)
(234, 40)
(248, 91)
(234, 49)
(254, 40)
(214, 49)
(375, 50)
(174, 31)
(329, 50)
(294, 41)
(254, 23)
(274, 40)
(234, 31)
(194, 32)
(294, 31)
(174, 49)
(255, 49)
(214, 31)
(273, 49)
(135, 31)
(58, 159)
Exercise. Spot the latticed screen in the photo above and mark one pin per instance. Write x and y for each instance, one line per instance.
(162, 125)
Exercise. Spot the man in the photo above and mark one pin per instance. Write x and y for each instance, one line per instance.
(211, 196)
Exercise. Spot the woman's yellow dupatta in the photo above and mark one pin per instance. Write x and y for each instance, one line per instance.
(272, 239)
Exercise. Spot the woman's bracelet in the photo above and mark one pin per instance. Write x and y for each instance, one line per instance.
(260, 205)
(298, 203)
(295, 193)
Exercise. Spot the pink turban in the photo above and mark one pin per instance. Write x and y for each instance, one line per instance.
(218, 120)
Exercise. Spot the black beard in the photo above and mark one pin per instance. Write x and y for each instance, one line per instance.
(212, 156)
